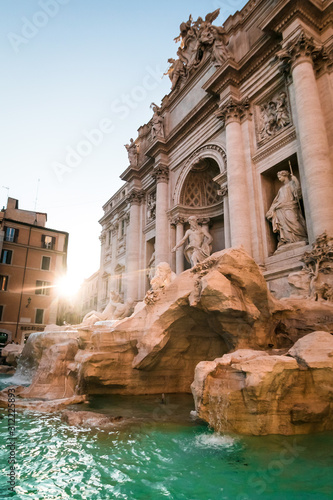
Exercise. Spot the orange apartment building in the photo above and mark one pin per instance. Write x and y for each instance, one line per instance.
(33, 257)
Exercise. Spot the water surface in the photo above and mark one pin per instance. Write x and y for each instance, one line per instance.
(161, 453)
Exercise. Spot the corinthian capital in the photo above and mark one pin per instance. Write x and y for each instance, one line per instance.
(233, 110)
(300, 48)
(135, 197)
(161, 173)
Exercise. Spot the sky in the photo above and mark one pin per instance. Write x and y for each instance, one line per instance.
(78, 78)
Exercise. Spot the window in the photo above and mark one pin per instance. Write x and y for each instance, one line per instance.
(122, 227)
(110, 237)
(48, 241)
(3, 282)
(6, 257)
(43, 287)
(11, 234)
(1, 312)
(46, 263)
(39, 316)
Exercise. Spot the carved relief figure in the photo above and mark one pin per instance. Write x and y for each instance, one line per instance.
(285, 213)
(132, 153)
(199, 247)
(275, 116)
(157, 120)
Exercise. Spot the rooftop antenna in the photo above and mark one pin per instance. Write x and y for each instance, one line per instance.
(5, 187)
(37, 194)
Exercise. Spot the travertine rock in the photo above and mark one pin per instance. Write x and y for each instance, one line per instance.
(250, 392)
(90, 419)
(218, 306)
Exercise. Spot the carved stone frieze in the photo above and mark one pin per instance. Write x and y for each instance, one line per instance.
(273, 116)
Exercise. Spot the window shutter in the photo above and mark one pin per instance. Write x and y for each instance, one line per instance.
(16, 235)
(43, 240)
(53, 242)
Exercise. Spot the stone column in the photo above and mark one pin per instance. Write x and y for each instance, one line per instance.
(133, 247)
(179, 221)
(162, 247)
(316, 168)
(239, 210)
(172, 244)
(226, 216)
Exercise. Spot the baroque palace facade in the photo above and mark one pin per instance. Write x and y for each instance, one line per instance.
(248, 100)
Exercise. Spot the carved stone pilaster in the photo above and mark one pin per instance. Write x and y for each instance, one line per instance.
(160, 173)
(233, 110)
(302, 47)
(135, 197)
(102, 238)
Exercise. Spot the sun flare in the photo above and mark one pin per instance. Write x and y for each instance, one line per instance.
(68, 286)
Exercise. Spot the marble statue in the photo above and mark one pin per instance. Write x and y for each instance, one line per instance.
(115, 310)
(285, 213)
(199, 246)
(157, 122)
(163, 276)
(199, 40)
(132, 153)
(175, 72)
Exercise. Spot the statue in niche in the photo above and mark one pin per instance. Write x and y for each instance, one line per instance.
(285, 212)
(199, 246)
(275, 116)
(157, 120)
(115, 310)
(151, 207)
(132, 153)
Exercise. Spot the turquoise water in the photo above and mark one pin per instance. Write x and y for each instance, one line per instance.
(161, 453)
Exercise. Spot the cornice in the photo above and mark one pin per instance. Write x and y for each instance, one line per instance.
(285, 11)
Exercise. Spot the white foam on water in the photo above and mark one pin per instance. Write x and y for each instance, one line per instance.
(214, 441)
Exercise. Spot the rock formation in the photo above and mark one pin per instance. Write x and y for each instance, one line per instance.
(251, 392)
(219, 306)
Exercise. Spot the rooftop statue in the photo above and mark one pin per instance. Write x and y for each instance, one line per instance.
(199, 247)
(285, 213)
(157, 122)
(132, 151)
(199, 40)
